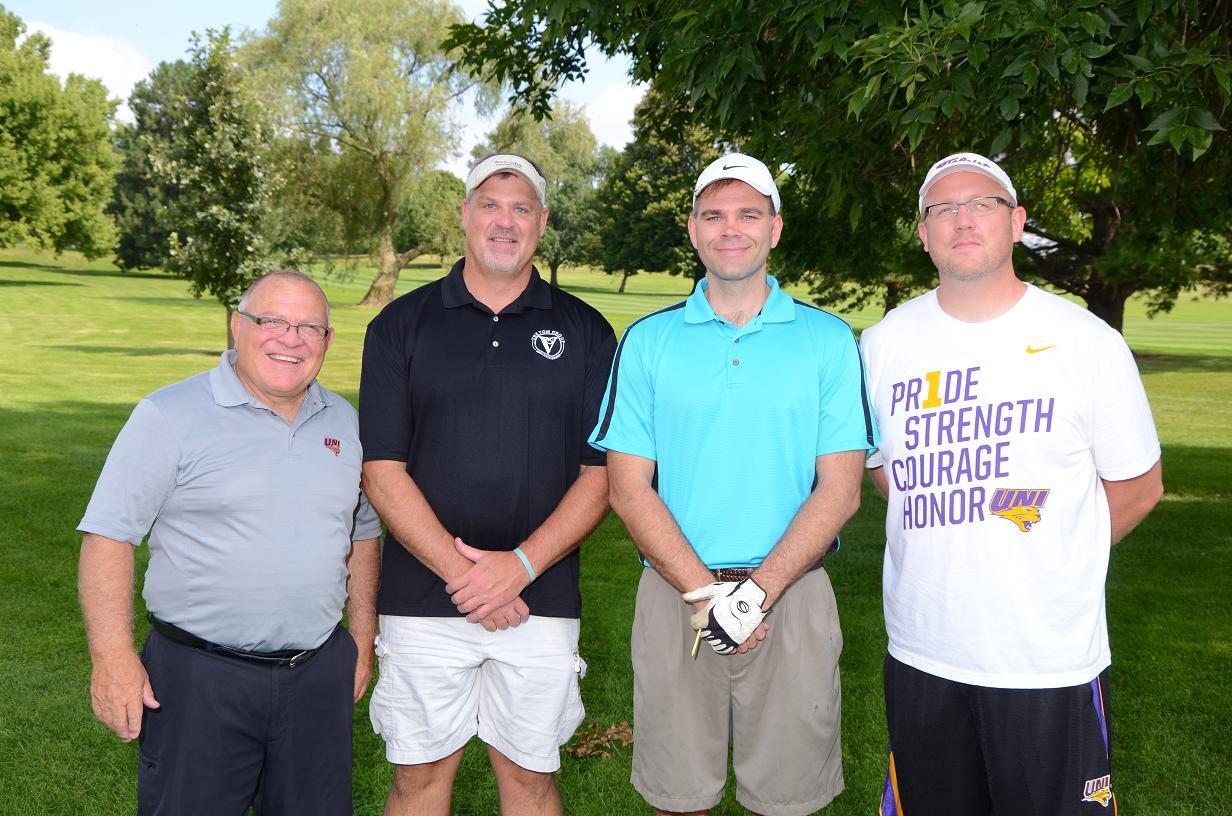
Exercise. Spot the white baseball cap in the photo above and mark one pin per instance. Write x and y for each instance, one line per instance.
(966, 163)
(742, 168)
(508, 163)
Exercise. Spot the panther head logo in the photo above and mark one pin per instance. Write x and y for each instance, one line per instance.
(1019, 506)
(1024, 516)
(1102, 796)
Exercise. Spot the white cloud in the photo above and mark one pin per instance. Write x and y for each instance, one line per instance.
(610, 111)
(119, 65)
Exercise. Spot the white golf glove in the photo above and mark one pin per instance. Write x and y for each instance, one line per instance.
(732, 615)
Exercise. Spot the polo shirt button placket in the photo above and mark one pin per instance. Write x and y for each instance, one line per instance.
(495, 359)
(733, 370)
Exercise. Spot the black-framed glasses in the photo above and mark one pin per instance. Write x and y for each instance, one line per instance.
(978, 207)
(278, 326)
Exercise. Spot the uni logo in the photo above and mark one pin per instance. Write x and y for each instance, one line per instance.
(334, 445)
(1098, 790)
(1018, 506)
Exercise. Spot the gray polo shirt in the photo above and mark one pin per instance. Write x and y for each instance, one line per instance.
(250, 519)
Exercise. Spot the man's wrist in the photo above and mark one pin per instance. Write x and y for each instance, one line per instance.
(530, 569)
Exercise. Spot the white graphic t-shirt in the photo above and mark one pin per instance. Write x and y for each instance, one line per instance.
(994, 438)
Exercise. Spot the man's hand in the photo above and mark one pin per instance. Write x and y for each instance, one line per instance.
(732, 617)
(512, 614)
(363, 668)
(119, 692)
(495, 580)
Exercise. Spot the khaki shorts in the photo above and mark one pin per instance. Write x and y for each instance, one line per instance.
(778, 705)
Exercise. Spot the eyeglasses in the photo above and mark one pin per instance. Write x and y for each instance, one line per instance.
(978, 207)
(277, 326)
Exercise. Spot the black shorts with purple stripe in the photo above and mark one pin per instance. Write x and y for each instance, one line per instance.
(964, 750)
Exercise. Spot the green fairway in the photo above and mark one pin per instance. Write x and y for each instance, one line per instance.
(85, 343)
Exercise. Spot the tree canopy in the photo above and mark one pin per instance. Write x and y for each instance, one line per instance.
(430, 222)
(56, 160)
(141, 200)
(1110, 116)
(220, 221)
(366, 82)
(644, 201)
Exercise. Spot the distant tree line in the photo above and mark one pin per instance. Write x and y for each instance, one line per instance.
(318, 137)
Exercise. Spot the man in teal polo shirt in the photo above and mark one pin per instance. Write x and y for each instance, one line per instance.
(736, 424)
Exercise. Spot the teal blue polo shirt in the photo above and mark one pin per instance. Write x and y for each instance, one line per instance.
(735, 418)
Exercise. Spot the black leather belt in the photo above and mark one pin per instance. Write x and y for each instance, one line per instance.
(286, 657)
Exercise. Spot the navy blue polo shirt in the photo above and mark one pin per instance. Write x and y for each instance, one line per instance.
(491, 414)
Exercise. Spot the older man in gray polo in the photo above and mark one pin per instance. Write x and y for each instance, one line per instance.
(246, 478)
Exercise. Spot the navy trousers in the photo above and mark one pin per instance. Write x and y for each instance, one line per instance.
(230, 735)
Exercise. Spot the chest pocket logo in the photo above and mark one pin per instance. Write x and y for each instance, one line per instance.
(548, 343)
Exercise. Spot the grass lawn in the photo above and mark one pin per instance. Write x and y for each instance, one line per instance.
(85, 343)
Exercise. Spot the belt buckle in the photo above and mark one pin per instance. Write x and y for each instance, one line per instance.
(295, 660)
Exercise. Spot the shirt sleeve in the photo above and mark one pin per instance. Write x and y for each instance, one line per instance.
(845, 421)
(598, 369)
(626, 423)
(367, 523)
(874, 458)
(1124, 442)
(137, 478)
(384, 391)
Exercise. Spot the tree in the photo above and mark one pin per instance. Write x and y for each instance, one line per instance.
(644, 201)
(219, 223)
(56, 160)
(567, 152)
(140, 202)
(1110, 115)
(430, 222)
(369, 82)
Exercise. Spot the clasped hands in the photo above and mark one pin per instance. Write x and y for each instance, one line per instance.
(489, 592)
(732, 620)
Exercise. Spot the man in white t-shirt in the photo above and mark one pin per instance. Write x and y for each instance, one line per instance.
(1017, 446)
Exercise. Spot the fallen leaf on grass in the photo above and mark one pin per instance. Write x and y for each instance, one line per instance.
(596, 741)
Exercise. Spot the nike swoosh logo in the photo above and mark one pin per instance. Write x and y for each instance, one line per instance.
(732, 166)
(1038, 350)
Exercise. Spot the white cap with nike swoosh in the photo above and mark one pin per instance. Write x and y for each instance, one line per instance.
(741, 168)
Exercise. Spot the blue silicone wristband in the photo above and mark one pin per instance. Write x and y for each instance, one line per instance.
(525, 562)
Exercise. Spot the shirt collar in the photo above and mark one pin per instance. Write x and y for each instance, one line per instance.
(778, 308)
(536, 295)
(229, 391)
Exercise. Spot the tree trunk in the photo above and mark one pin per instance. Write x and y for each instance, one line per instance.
(382, 289)
(553, 267)
(1108, 302)
(623, 281)
(699, 274)
(230, 336)
(390, 262)
(893, 295)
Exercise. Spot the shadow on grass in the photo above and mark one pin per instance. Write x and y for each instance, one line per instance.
(1194, 471)
(1162, 363)
(187, 300)
(96, 273)
(133, 351)
(4, 282)
(603, 290)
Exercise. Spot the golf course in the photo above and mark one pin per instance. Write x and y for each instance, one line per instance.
(84, 342)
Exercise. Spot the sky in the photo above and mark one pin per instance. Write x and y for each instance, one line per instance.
(121, 41)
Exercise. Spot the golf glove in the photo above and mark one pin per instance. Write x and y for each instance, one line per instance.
(732, 615)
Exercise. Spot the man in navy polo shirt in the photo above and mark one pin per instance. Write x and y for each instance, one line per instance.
(477, 394)
(736, 424)
(246, 478)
